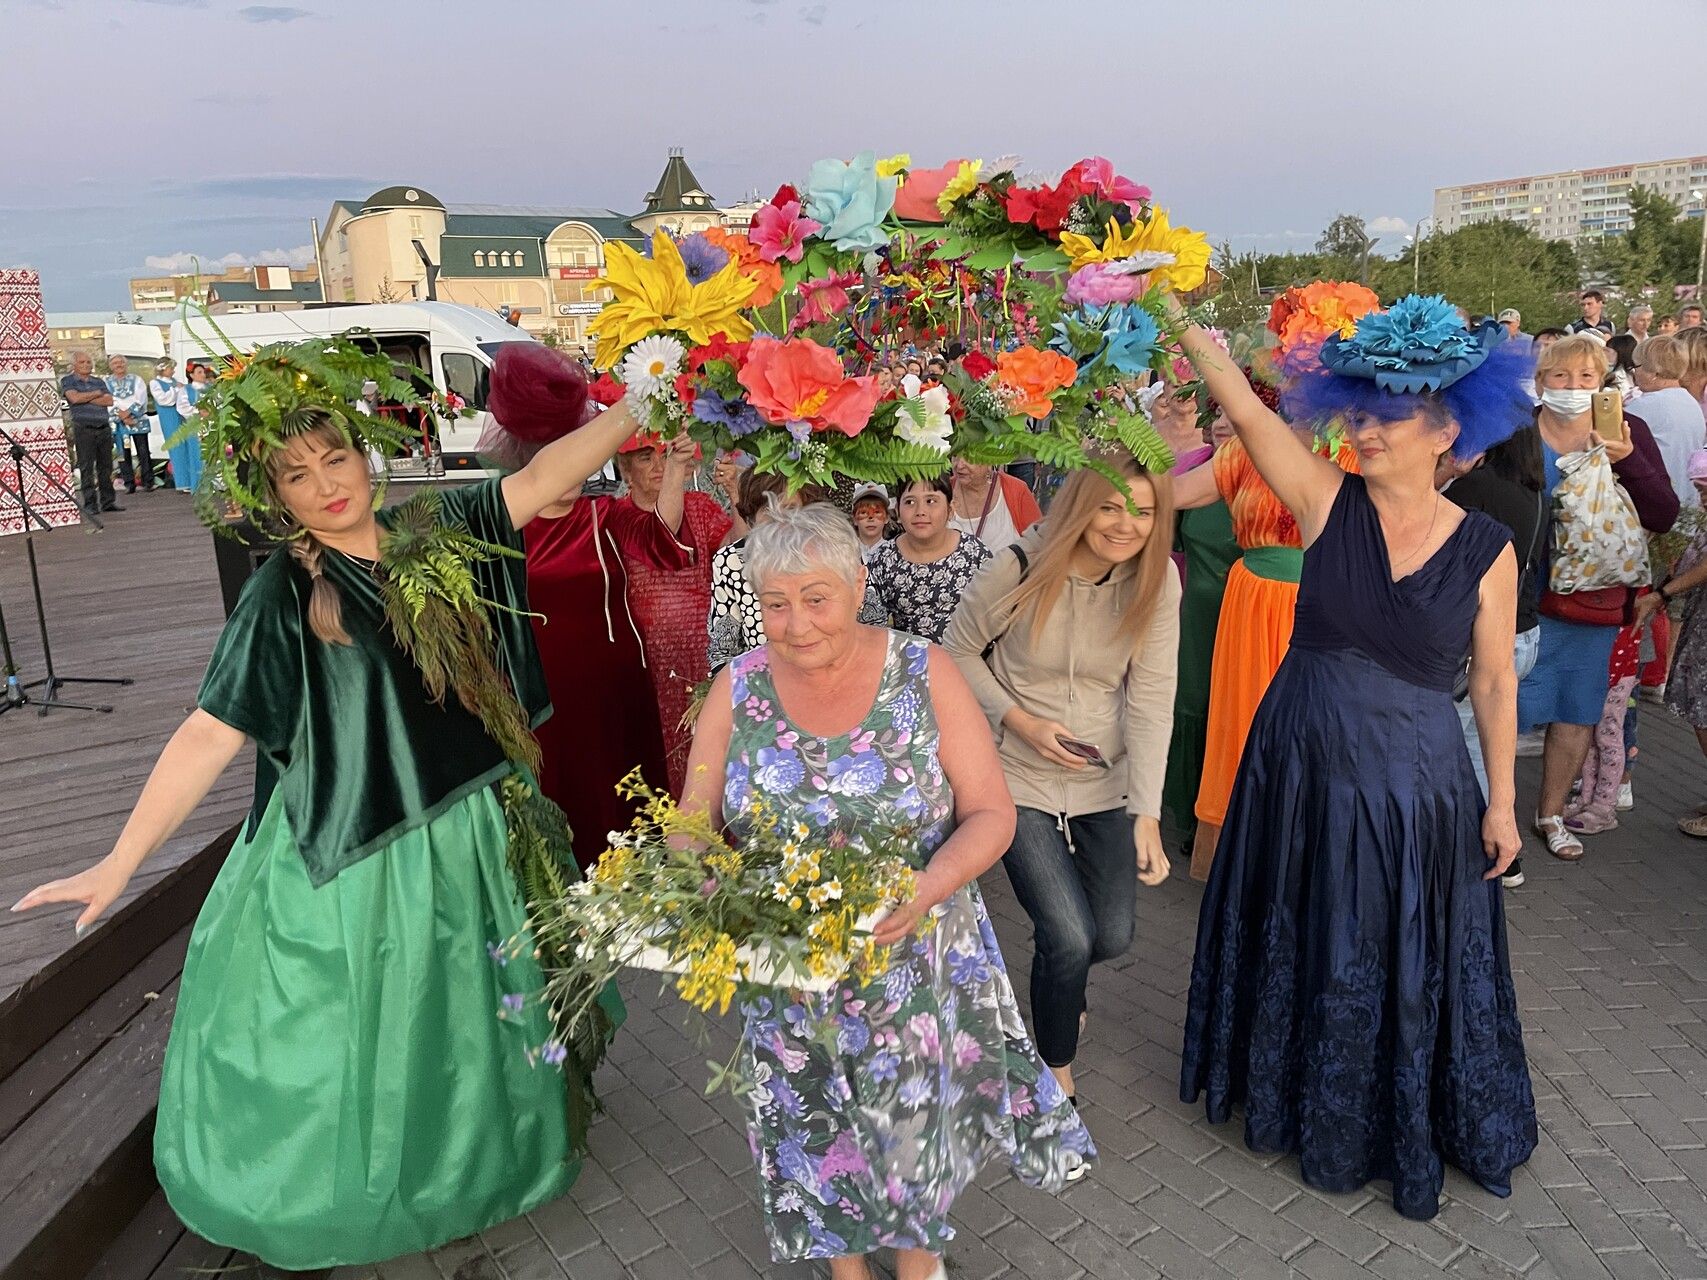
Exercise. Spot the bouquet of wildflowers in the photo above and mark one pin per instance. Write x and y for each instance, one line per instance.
(788, 907)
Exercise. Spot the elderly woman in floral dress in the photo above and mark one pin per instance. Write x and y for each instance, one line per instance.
(877, 1103)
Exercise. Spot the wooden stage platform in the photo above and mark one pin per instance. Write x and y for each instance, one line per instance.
(139, 599)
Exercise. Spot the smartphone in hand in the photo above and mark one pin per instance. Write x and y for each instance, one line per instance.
(1084, 750)
(1607, 414)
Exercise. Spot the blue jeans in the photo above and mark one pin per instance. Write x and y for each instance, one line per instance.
(1524, 654)
(1080, 888)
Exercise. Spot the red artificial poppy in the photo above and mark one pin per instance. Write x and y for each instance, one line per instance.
(606, 390)
(784, 194)
(719, 348)
(978, 366)
(684, 389)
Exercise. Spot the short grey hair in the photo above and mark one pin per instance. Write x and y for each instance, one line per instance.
(1641, 309)
(798, 541)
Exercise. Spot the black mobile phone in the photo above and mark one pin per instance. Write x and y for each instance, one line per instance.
(1084, 750)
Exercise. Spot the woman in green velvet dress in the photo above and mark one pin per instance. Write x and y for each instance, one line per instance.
(339, 1086)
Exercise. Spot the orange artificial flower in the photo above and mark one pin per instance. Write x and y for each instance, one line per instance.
(766, 276)
(1308, 316)
(1030, 375)
(801, 381)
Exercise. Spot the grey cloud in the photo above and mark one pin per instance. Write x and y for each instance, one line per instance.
(814, 15)
(272, 13)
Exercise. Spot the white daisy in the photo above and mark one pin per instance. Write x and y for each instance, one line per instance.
(651, 365)
(1141, 261)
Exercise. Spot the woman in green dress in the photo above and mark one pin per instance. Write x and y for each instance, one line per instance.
(1204, 536)
(340, 1086)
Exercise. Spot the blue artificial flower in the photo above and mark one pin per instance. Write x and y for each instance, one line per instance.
(702, 258)
(1132, 336)
(822, 811)
(554, 1053)
(1419, 344)
(513, 1003)
(851, 201)
(739, 416)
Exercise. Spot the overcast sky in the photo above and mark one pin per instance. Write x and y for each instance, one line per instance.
(140, 132)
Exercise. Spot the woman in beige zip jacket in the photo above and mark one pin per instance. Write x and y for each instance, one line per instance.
(1071, 642)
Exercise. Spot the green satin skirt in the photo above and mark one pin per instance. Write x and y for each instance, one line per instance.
(338, 1087)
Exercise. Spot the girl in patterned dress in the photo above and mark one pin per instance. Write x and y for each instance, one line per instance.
(921, 576)
(873, 1105)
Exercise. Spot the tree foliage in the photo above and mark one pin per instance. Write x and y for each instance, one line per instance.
(1658, 253)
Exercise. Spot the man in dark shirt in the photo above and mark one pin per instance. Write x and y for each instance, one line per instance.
(91, 432)
(1593, 316)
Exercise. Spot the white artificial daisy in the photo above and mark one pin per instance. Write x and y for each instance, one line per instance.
(651, 365)
(1143, 260)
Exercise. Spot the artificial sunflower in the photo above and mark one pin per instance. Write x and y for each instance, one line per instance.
(654, 295)
(1120, 243)
(963, 183)
(1190, 267)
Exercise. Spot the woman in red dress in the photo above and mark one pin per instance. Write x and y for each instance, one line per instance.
(672, 605)
(580, 552)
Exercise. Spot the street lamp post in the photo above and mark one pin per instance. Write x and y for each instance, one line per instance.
(1701, 257)
(1416, 239)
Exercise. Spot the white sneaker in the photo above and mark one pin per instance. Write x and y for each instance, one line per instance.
(1531, 744)
(1626, 797)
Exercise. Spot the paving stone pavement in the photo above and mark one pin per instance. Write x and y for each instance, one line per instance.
(1611, 969)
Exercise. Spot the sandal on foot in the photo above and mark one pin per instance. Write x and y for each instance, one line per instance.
(1561, 843)
(1696, 826)
(1589, 821)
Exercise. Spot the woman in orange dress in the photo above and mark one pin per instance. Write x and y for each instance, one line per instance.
(1256, 618)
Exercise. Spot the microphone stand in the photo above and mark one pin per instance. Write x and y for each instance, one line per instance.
(18, 692)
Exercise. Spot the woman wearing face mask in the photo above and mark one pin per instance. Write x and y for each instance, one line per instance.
(338, 1088)
(1351, 989)
(1566, 690)
(579, 552)
(671, 605)
(921, 576)
(1075, 644)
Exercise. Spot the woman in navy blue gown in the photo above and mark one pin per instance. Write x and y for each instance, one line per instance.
(1351, 988)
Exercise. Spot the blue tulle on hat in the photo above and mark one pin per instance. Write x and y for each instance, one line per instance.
(1412, 356)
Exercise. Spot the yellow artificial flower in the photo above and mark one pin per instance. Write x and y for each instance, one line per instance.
(894, 164)
(963, 183)
(1190, 267)
(1084, 250)
(654, 295)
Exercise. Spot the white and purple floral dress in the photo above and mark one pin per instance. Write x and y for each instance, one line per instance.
(874, 1105)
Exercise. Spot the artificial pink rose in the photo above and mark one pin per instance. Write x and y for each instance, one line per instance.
(1098, 284)
(916, 200)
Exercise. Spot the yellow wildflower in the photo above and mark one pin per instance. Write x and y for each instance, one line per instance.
(963, 183)
(710, 979)
(1190, 267)
(888, 168)
(654, 295)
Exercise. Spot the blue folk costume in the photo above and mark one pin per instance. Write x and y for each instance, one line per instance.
(1351, 988)
(166, 392)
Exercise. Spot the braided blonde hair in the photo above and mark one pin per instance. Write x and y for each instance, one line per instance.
(325, 604)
